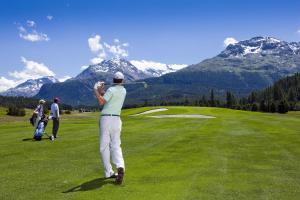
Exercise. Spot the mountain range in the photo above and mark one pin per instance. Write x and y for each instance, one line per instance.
(83, 83)
(30, 87)
(101, 71)
(240, 68)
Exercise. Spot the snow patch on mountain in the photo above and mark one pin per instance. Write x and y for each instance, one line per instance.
(156, 69)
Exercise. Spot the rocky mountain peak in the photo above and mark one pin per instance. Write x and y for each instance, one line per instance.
(261, 46)
(107, 68)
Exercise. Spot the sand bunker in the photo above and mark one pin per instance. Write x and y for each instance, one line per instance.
(151, 111)
(183, 116)
(172, 116)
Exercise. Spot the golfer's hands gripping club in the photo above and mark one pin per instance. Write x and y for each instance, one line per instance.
(99, 91)
(99, 87)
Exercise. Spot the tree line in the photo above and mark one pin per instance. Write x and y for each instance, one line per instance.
(281, 97)
(16, 105)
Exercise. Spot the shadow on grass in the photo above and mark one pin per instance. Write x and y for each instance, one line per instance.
(33, 140)
(90, 185)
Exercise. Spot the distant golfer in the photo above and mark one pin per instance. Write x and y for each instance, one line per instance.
(39, 112)
(55, 117)
(110, 126)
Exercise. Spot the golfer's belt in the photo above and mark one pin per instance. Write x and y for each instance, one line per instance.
(110, 115)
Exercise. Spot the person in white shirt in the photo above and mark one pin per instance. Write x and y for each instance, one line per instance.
(55, 117)
(39, 112)
(111, 125)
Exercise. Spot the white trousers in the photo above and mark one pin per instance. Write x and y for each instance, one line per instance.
(110, 143)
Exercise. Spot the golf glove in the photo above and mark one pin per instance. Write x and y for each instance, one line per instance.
(99, 85)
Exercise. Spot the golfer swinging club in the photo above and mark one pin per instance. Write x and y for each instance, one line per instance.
(110, 126)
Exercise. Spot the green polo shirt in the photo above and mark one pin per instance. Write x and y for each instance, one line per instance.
(114, 98)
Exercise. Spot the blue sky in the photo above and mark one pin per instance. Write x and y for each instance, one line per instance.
(165, 31)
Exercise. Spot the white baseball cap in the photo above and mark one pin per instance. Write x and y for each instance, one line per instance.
(42, 101)
(118, 75)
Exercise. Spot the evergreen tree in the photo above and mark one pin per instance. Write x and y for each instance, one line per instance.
(283, 106)
(16, 111)
(277, 92)
(145, 103)
(186, 101)
(273, 107)
(204, 101)
(262, 106)
(230, 100)
(212, 99)
(252, 98)
(254, 107)
(291, 95)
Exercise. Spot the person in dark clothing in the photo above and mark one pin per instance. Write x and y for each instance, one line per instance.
(55, 117)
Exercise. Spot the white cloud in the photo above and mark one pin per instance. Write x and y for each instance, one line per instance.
(100, 57)
(104, 50)
(229, 40)
(32, 70)
(21, 29)
(49, 17)
(30, 23)
(83, 67)
(94, 43)
(5, 84)
(96, 60)
(63, 79)
(30, 33)
(177, 66)
(97, 48)
(34, 37)
(116, 50)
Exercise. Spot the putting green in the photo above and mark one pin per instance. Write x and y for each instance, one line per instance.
(237, 155)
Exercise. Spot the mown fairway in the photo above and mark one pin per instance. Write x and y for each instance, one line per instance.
(237, 155)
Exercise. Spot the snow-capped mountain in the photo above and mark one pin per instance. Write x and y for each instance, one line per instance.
(261, 46)
(241, 68)
(30, 87)
(155, 69)
(132, 70)
(107, 68)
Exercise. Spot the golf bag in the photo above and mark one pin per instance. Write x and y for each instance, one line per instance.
(40, 129)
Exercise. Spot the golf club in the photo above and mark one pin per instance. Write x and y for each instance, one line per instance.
(132, 83)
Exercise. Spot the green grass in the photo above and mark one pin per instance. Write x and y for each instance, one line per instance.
(237, 155)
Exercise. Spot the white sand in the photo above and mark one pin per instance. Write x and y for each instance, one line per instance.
(183, 116)
(151, 111)
(172, 116)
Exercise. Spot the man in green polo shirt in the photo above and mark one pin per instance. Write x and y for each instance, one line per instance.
(111, 125)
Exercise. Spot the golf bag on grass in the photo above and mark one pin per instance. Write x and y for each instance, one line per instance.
(40, 129)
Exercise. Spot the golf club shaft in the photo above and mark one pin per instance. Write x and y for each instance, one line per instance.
(132, 83)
